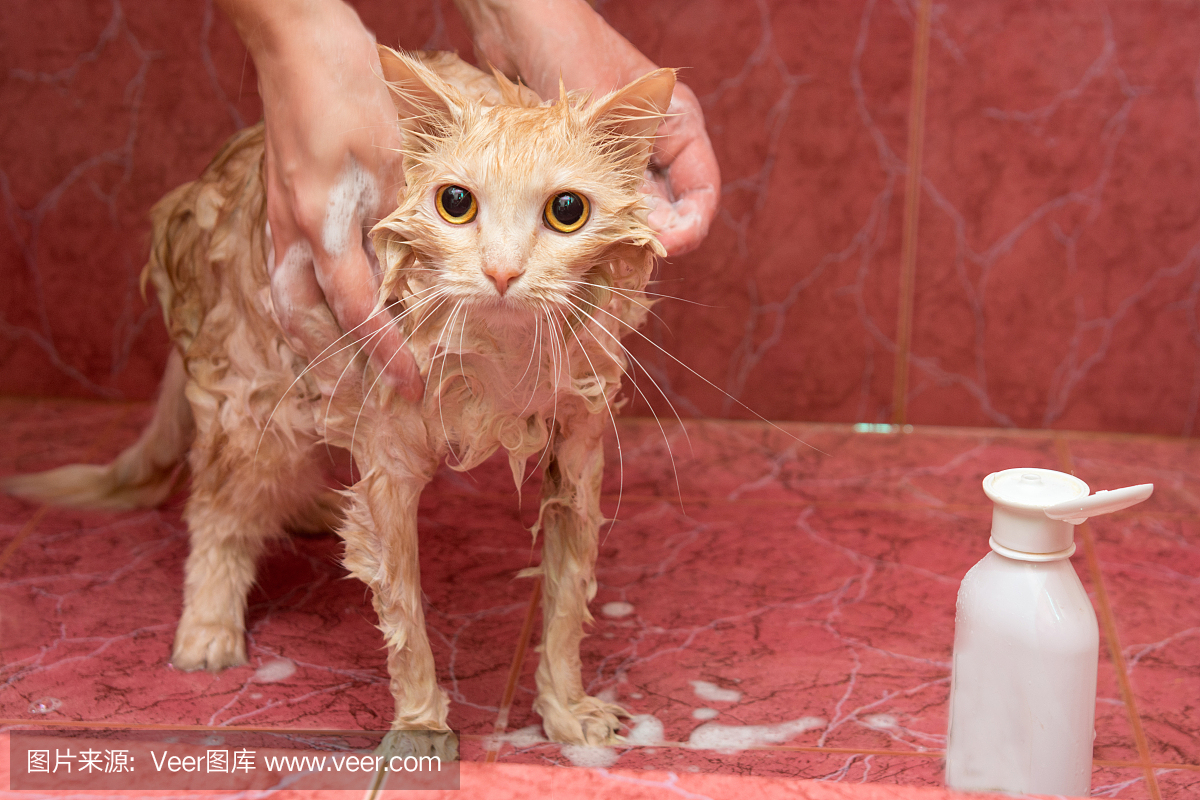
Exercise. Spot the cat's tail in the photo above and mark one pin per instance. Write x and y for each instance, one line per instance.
(146, 474)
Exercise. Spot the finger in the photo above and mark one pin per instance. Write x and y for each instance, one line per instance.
(350, 289)
(682, 125)
(688, 167)
(391, 357)
(294, 285)
(295, 293)
(695, 171)
(681, 225)
(680, 216)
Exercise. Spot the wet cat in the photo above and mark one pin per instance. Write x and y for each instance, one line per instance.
(516, 260)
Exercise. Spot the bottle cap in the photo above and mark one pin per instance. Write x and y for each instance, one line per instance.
(1019, 521)
(1103, 502)
(1035, 511)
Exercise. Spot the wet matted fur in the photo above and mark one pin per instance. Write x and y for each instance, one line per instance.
(534, 369)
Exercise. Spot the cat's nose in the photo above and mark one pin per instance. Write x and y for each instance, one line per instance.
(502, 277)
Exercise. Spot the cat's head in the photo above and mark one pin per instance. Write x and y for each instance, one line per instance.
(512, 208)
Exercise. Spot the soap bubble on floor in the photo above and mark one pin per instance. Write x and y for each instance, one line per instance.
(45, 705)
(616, 609)
(586, 756)
(713, 693)
(647, 731)
(521, 738)
(273, 671)
(728, 739)
(880, 722)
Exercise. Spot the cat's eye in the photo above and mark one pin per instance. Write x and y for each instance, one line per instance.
(456, 205)
(566, 212)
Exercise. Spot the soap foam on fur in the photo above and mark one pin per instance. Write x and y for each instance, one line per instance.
(351, 202)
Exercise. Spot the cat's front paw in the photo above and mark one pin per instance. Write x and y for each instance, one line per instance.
(418, 743)
(590, 721)
(208, 645)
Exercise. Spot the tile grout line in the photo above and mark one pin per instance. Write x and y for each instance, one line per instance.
(514, 671)
(912, 207)
(859, 429)
(1108, 622)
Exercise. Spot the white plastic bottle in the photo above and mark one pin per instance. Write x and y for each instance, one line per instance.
(1026, 643)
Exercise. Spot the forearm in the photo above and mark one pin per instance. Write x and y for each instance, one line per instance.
(272, 28)
(543, 39)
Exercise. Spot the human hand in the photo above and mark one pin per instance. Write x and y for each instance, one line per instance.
(541, 40)
(684, 181)
(332, 171)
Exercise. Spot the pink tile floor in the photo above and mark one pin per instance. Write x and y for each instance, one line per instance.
(752, 580)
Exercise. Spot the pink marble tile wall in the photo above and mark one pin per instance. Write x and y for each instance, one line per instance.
(1060, 222)
(1057, 248)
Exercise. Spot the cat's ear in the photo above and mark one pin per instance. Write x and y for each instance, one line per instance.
(514, 94)
(421, 97)
(636, 111)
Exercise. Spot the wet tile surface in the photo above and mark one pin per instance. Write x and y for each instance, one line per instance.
(763, 607)
(1151, 562)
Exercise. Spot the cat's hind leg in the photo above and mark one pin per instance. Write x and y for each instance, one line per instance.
(245, 488)
(569, 523)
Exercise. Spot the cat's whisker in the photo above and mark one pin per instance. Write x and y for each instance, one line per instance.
(559, 340)
(537, 378)
(758, 416)
(626, 294)
(564, 356)
(534, 348)
(633, 382)
(442, 377)
(612, 417)
(636, 296)
(632, 359)
(421, 305)
(582, 313)
(555, 366)
(358, 417)
(321, 358)
(675, 297)
(634, 300)
(538, 343)
(422, 302)
(632, 296)
(634, 362)
(462, 329)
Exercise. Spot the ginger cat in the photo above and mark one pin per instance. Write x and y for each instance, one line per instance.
(515, 262)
